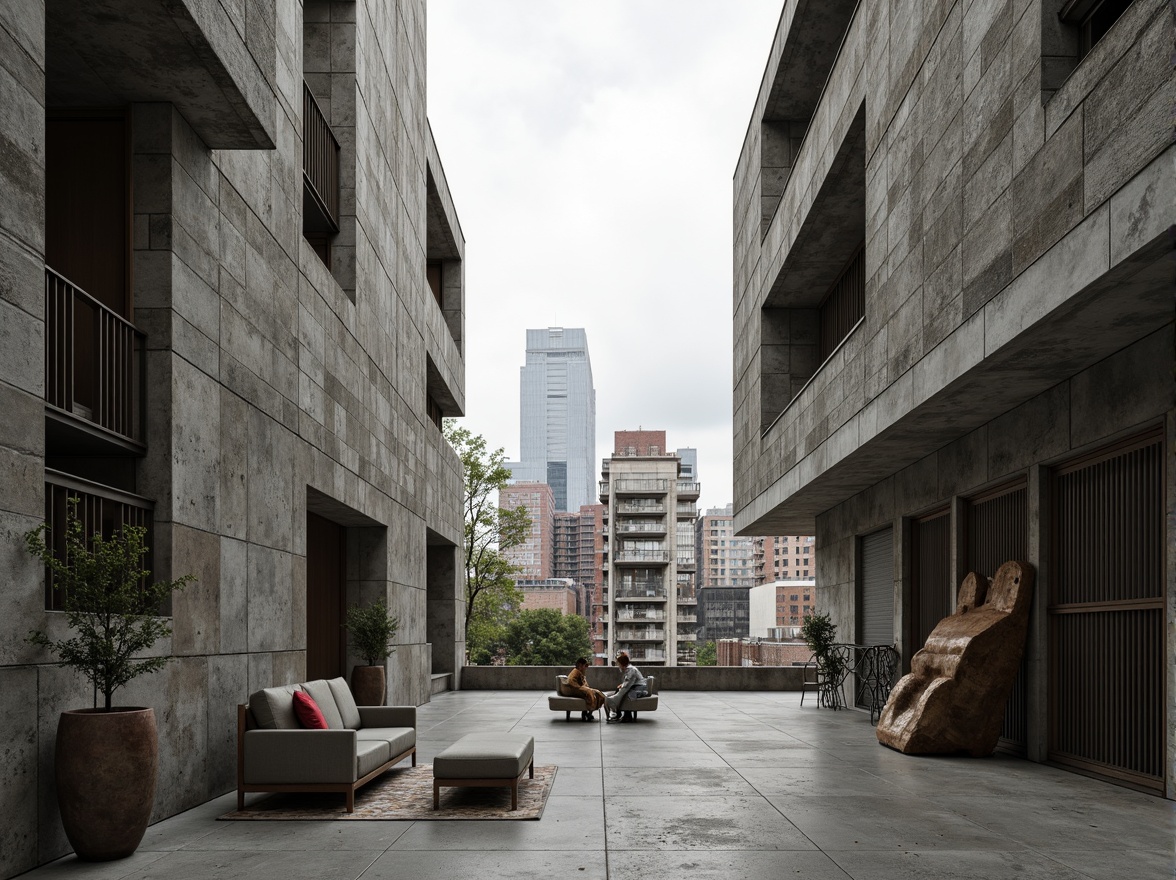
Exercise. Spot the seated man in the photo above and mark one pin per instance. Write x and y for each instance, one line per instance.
(578, 683)
(632, 685)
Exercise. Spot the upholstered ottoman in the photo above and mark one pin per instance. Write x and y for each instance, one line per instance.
(485, 759)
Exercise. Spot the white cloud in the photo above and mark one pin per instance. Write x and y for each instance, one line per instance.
(590, 150)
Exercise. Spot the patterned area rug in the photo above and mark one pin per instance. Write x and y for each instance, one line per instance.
(405, 794)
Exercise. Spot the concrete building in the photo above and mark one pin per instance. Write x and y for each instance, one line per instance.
(557, 416)
(784, 557)
(953, 307)
(724, 559)
(232, 310)
(648, 586)
(781, 605)
(761, 652)
(536, 554)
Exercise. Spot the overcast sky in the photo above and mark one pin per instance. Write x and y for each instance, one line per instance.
(590, 149)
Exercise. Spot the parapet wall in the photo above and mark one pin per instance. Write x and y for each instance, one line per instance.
(670, 678)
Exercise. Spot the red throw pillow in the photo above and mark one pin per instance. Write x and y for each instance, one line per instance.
(309, 714)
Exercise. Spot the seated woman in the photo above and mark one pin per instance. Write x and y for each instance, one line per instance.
(632, 685)
(578, 683)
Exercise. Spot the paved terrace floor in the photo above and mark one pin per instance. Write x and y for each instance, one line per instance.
(730, 785)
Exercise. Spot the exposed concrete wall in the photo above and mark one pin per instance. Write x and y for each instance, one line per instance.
(271, 392)
(669, 678)
(979, 198)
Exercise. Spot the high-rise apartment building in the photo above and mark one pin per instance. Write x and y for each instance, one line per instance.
(535, 555)
(578, 555)
(648, 588)
(557, 417)
(724, 558)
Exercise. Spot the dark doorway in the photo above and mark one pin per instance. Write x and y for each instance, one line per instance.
(326, 578)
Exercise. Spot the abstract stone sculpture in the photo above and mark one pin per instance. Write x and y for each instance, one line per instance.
(954, 698)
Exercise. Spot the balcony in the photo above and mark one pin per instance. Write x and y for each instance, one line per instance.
(631, 509)
(641, 591)
(101, 509)
(688, 490)
(639, 655)
(640, 635)
(687, 617)
(639, 487)
(640, 528)
(686, 511)
(320, 175)
(651, 614)
(95, 371)
(641, 557)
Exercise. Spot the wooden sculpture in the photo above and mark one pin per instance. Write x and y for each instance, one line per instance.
(954, 698)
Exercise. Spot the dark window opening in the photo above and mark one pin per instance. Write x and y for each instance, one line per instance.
(434, 410)
(433, 274)
(1093, 19)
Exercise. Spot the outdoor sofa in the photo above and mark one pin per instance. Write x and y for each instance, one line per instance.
(275, 753)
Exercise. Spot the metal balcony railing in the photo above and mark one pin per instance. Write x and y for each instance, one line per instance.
(658, 557)
(641, 635)
(687, 489)
(640, 591)
(94, 360)
(320, 163)
(633, 528)
(638, 655)
(640, 614)
(101, 509)
(631, 508)
(638, 487)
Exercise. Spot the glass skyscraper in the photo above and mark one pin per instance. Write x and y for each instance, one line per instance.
(557, 417)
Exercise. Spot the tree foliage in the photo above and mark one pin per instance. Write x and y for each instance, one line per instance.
(491, 595)
(110, 602)
(707, 654)
(372, 630)
(545, 637)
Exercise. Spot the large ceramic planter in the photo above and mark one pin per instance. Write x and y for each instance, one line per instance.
(368, 685)
(106, 765)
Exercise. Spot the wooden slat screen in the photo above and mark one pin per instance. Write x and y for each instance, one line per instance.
(997, 531)
(933, 587)
(1107, 613)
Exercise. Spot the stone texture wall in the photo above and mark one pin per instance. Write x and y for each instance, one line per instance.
(980, 188)
(274, 387)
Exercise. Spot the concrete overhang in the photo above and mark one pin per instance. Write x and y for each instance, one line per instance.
(811, 40)
(108, 53)
(444, 239)
(833, 228)
(1106, 284)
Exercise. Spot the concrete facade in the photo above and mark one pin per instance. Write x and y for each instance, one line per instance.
(276, 386)
(1016, 205)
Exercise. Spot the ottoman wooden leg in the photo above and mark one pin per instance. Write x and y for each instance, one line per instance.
(351, 800)
(436, 793)
(514, 795)
(532, 768)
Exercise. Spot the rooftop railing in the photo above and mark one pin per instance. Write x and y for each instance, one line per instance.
(94, 360)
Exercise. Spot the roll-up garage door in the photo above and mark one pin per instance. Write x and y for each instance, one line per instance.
(876, 616)
(876, 594)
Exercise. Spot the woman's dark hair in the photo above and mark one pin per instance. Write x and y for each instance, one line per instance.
(580, 660)
(623, 658)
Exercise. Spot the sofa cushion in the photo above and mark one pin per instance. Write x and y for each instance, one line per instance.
(309, 714)
(370, 754)
(345, 702)
(273, 708)
(556, 703)
(399, 739)
(321, 691)
(563, 688)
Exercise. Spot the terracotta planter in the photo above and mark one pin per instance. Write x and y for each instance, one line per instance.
(367, 685)
(106, 765)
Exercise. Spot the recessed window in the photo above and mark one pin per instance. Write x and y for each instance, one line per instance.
(1093, 19)
(844, 304)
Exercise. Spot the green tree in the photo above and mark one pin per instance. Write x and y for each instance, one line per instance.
(111, 602)
(707, 654)
(491, 594)
(545, 637)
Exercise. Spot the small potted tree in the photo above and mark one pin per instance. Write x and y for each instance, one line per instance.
(820, 634)
(106, 756)
(372, 630)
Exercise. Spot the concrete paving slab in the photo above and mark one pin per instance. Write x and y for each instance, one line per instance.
(723, 865)
(431, 865)
(710, 823)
